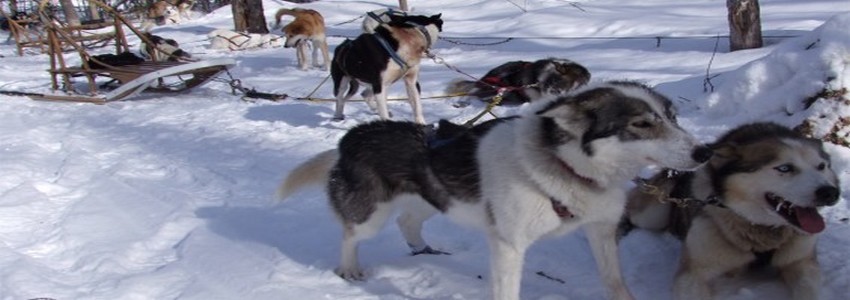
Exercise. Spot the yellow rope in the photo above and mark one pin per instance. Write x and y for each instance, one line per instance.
(314, 99)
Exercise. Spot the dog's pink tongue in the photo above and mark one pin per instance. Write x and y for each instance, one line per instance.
(809, 219)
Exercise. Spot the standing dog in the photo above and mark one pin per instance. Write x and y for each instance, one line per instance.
(160, 13)
(380, 59)
(308, 26)
(767, 182)
(524, 81)
(560, 165)
(184, 7)
(375, 18)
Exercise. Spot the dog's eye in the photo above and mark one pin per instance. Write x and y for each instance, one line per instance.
(784, 168)
(642, 124)
(821, 166)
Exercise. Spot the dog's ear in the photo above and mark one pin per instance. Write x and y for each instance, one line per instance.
(438, 21)
(723, 154)
(566, 110)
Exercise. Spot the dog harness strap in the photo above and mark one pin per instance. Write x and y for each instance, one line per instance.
(424, 32)
(393, 54)
(375, 17)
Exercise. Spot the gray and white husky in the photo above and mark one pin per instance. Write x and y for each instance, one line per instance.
(765, 185)
(558, 166)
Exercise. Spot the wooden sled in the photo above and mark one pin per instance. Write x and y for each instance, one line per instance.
(170, 76)
(149, 76)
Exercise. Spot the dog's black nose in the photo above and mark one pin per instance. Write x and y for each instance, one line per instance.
(827, 195)
(702, 154)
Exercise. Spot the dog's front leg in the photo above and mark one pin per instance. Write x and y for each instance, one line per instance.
(380, 96)
(301, 54)
(803, 278)
(411, 84)
(506, 261)
(603, 242)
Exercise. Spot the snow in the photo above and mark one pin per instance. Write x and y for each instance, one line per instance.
(171, 196)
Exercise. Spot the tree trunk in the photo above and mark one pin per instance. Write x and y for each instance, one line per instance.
(744, 24)
(71, 16)
(248, 16)
(13, 7)
(95, 14)
(402, 4)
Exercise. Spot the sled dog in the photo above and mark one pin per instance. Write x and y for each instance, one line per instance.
(160, 13)
(162, 49)
(560, 165)
(308, 26)
(184, 8)
(757, 203)
(375, 18)
(232, 40)
(524, 81)
(379, 59)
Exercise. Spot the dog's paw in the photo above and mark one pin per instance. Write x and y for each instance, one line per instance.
(350, 274)
(338, 118)
(428, 250)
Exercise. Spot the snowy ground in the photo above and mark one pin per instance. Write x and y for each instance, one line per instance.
(171, 197)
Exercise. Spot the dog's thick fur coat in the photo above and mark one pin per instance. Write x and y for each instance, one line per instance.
(559, 166)
(525, 81)
(308, 26)
(769, 182)
(377, 60)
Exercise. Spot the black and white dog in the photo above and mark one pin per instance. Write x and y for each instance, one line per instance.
(377, 60)
(162, 49)
(561, 165)
(375, 18)
(524, 81)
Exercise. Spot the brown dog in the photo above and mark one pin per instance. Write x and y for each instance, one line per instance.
(308, 25)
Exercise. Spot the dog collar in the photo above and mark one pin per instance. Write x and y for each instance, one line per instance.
(560, 209)
(585, 180)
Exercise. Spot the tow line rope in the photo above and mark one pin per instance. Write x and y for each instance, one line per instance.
(249, 94)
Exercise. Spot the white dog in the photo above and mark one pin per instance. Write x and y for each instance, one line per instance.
(560, 166)
(232, 40)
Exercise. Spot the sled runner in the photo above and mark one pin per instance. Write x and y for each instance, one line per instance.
(132, 73)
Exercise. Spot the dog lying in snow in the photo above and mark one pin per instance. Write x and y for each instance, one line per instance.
(232, 40)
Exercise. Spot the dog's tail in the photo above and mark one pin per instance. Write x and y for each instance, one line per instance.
(461, 87)
(284, 12)
(314, 171)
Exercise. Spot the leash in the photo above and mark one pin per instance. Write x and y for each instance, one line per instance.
(664, 198)
(497, 99)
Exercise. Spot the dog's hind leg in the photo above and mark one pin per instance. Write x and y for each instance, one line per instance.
(415, 212)
(344, 87)
(603, 242)
(349, 267)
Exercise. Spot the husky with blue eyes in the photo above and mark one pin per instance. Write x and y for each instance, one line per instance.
(754, 204)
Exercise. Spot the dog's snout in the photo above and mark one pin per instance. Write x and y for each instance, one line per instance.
(827, 195)
(702, 154)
